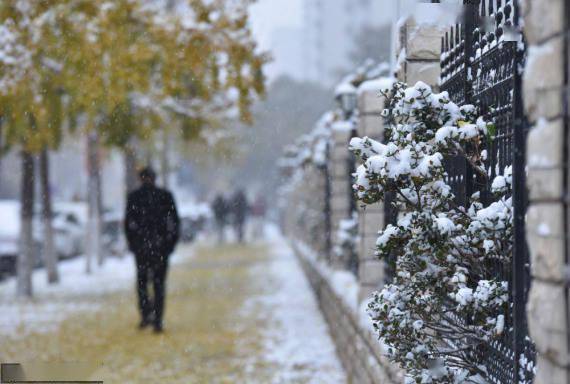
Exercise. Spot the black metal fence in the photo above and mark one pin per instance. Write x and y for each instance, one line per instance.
(481, 63)
(353, 261)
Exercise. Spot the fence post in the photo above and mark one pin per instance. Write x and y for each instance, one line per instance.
(340, 194)
(419, 50)
(371, 218)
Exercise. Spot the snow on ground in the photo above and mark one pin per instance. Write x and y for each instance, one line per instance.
(343, 283)
(76, 292)
(298, 338)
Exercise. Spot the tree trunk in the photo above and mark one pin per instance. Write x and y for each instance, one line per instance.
(49, 251)
(100, 252)
(26, 254)
(164, 159)
(93, 248)
(130, 168)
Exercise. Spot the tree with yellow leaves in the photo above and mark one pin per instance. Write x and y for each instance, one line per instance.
(31, 110)
(123, 69)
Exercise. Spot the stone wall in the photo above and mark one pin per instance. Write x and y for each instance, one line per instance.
(547, 163)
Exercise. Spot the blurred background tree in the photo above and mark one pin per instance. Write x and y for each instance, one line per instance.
(119, 74)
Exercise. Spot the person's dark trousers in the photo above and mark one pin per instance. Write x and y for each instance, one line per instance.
(151, 267)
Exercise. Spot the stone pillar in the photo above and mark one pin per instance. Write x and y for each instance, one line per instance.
(418, 51)
(371, 271)
(341, 193)
(547, 307)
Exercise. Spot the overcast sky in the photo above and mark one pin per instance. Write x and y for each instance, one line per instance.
(270, 15)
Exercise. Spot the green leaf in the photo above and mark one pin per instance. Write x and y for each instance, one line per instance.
(491, 130)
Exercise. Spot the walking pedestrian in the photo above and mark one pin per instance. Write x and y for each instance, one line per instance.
(258, 210)
(220, 209)
(240, 210)
(152, 230)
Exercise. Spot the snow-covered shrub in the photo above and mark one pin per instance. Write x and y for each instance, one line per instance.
(443, 303)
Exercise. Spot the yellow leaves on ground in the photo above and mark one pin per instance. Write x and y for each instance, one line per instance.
(208, 337)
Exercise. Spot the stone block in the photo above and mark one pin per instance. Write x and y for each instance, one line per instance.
(545, 144)
(371, 223)
(371, 102)
(543, 80)
(549, 373)
(371, 125)
(340, 186)
(340, 155)
(545, 184)
(339, 211)
(375, 207)
(426, 71)
(341, 137)
(547, 258)
(370, 230)
(546, 310)
(371, 272)
(542, 19)
(423, 42)
(340, 194)
(339, 170)
(545, 220)
(340, 158)
(368, 246)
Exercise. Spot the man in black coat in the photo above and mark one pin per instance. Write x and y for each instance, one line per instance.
(152, 230)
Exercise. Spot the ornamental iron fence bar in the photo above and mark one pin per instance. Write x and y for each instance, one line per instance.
(566, 156)
(327, 204)
(481, 63)
(353, 260)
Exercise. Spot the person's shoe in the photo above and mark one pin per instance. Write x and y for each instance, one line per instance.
(144, 323)
(157, 328)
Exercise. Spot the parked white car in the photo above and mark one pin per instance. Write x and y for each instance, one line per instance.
(69, 235)
(70, 226)
(193, 218)
(10, 237)
(114, 242)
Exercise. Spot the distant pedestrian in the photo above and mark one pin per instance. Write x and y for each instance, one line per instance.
(220, 209)
(258, 211)
(152, 230)
(240, 210)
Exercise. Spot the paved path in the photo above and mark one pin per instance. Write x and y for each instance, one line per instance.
(235, 314)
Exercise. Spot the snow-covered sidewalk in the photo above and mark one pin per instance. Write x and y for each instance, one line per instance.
(298, 341)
